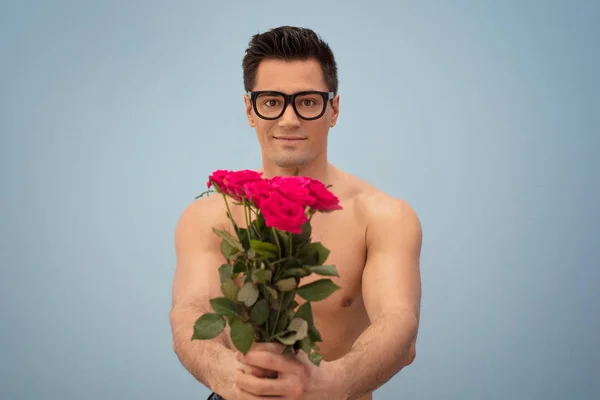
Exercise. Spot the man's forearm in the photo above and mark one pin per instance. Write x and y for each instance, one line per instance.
(378, 354)
(209, 361)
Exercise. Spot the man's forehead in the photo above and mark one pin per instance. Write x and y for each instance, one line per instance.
(290, 76)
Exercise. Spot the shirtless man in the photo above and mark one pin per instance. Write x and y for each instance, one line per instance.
(369, 326)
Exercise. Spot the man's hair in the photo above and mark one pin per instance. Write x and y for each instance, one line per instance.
(289, 43)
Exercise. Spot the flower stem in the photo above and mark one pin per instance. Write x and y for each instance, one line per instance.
(256, 230)
(247, 217)
(267, 334)
(277, 241)
(277, 319)
(229, 215)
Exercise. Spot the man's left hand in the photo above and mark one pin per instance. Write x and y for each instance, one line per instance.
(297, 377)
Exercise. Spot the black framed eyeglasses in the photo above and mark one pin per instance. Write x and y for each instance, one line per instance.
(308, 105)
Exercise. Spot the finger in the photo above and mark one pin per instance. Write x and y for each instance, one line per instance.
(269, 346)
(274, 388)
(273, 362)
(241, 394)
(256, 371)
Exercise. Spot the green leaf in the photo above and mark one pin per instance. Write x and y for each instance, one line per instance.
(273, 321)
(308, 255)
(275, 235)
(260, 312)
(228, 251)
(208, 326)
(318, 290)
(313, 254)
(321, 250)
(242, 233)
(290, 313)
(230, 290)
(305, 312)
(272, 292)
(285, 285)
(225, 307)
(300, 326)
(326, 270)
(282, 324)
(261, 275)
(242, 335)
(229, 238)
(294, 272)
(288, 298)
(315, 358)
(239, 267)
(304, 237)
(259, 225)
(288, 338)
(248, 294)
(314, 334)
(274, 303)
(306, 345)
(225, 272)
(291, 263)
(264, 249)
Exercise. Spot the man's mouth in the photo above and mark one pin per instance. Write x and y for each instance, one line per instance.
(289, 138)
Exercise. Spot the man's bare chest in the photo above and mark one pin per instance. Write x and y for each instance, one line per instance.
(344, 235)
(345, 238)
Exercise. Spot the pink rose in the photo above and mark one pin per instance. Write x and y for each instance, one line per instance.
(324, 199)
(217, 178)
(256, 191)
(232, 183)
(294, 188)
(282, 213)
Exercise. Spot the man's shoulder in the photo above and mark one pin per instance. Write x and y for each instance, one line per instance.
(204, 208)
(380, 208)
(374, 200)
(198, 217)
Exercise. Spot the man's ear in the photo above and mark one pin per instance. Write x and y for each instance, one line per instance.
(249, 113)
(335, 106)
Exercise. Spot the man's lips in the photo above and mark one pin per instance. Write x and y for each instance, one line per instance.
(289, 138)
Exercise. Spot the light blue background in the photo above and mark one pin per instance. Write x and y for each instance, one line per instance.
(483, 115)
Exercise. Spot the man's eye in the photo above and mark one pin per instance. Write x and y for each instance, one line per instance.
(308, 103)
(271, 103)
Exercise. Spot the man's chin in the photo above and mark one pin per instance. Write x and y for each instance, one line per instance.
(291, 162)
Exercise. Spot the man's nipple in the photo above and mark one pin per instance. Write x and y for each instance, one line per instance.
(347, 302)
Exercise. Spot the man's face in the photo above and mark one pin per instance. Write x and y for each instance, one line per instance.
(290, 141)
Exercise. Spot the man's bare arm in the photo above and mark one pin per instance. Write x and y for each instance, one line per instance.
(392, 295)
(195, 282)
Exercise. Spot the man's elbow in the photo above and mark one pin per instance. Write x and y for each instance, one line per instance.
(177, 318)
(410, 356)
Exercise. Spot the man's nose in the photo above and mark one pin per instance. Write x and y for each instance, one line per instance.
(289, 119)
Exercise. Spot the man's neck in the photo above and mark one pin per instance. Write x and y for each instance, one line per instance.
(322, 172)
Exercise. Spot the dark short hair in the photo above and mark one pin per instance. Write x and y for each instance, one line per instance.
(289, 43)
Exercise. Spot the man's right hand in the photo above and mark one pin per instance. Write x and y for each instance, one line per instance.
(256, 371)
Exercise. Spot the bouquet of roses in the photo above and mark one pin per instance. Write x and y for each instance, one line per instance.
(266, 260)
